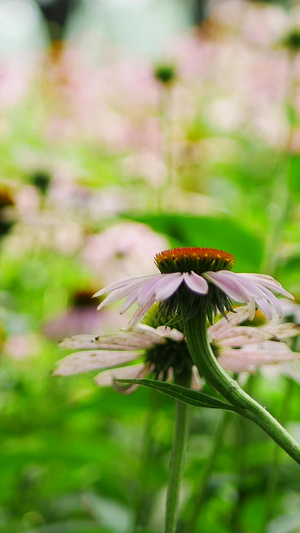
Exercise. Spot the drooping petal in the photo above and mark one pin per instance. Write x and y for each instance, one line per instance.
(106, 378)
(167, 285)
(266, 308)
(283, 331)
(122, 340)
(118, 294)
(120, 284)
(272, 299)
(141, 312)
(262, 295)
(228, 284)
(234, 318)
(268, 282)
(249, 288)
(81, 362)
(170, 333)
(128, 389)
(251, 308)
(147, 290)
(196, 283)
(129, 301)
(247, 360)
(148, 334)
(242, 335)
(196, 383)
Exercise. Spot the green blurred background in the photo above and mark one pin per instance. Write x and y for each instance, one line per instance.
(105, 160)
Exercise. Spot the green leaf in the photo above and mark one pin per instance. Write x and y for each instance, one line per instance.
(224, 233)
(192, 397)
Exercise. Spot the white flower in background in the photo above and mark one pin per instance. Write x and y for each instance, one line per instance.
(158, 353)
(193, 278)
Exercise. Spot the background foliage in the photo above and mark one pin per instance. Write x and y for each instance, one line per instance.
(103, 164)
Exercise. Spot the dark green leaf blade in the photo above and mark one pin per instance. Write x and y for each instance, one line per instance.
(192, 397)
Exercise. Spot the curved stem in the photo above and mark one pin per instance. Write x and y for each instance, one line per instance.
(209, 368)
(177, 457)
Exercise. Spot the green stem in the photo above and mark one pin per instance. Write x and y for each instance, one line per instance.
(177, 457)
(209, 368)
(198, 497)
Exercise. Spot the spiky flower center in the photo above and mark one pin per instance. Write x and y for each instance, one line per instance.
(172, 355)
(198, 260)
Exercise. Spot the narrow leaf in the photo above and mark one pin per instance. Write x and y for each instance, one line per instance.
(199, 399)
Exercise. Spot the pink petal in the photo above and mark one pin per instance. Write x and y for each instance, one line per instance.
(148, 289)
(121, 293)
(168, 285)
(260, 293)
(283, 331)
(268, 282)
(147, 334)
(228, 284)
(233, 318)
(141, 311)
(123, 340)
(266, 308)
(170, 333)
(196, 283)
(196, 381)
(128, 389)
(81, 362)
(106, 378)
(241, 361)
(121, 283)
(129, 301)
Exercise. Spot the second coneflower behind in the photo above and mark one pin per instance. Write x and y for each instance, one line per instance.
(161, 352)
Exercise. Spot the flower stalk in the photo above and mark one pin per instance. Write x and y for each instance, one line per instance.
(209, 368)
(181, 431)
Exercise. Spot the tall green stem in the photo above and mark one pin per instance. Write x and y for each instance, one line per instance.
(209, 368)
(177, 457)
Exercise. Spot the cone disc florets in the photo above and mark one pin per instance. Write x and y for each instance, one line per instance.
(184, 304)
(196, 260)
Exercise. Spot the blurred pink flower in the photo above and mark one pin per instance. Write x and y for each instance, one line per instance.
(15, 78)
(19, 346)
(122, 249)
(82, 316)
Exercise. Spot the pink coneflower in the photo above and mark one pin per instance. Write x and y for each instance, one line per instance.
(162, 352)
(193, 279)
(121, 249)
